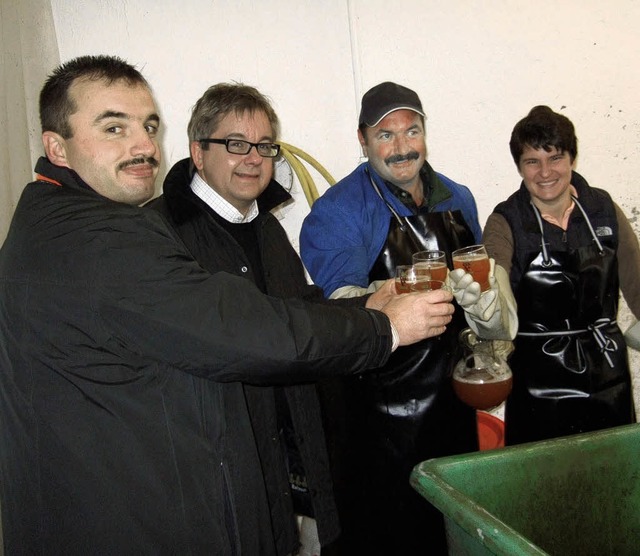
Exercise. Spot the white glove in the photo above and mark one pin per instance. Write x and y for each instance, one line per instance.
(492, 315)
(632, 336)
(480, 305)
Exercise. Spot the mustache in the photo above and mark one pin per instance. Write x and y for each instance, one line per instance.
(139, 160)
(394, 159)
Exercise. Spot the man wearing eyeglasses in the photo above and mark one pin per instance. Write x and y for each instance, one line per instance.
(219, 202)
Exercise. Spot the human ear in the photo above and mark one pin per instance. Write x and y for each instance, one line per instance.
(55, 148)
(363, 142)
(196, 154)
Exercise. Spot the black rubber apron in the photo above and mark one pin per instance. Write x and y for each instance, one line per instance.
(408, 411)
(570, 363)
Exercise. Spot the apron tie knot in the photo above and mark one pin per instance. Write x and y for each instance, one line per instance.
(605, 343)
(559, 341)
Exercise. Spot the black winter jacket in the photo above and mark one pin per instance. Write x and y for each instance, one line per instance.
(283, 276)
(124, 425)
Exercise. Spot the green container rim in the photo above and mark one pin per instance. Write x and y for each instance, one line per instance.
(429, 479)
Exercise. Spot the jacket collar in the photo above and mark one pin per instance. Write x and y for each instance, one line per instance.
(60, 174)
(182, 203)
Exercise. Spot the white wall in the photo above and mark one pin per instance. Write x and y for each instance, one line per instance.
(479, 66)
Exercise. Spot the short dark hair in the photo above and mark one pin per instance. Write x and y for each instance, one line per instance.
(56, 105)
(543, 128)
(223, 98)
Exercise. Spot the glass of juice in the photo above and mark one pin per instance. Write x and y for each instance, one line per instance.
(405, 278)
(475, 261)
(432, 264)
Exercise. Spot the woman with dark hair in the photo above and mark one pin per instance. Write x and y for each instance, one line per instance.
(569, 250)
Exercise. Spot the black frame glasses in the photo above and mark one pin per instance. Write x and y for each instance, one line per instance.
(240, 146)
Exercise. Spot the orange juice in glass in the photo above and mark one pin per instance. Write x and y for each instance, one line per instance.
(475, 261)
(431, 264)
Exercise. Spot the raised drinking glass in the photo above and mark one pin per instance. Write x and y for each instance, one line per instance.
(475, 261)
(405, 278)
(430, 263)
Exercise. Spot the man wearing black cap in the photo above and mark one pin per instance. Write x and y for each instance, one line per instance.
(356, 234)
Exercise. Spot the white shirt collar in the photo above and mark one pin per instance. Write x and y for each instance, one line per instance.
(221, 206)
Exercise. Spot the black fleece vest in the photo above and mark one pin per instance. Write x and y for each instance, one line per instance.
(518, 212)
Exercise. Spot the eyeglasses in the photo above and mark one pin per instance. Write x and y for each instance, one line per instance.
(238, 146)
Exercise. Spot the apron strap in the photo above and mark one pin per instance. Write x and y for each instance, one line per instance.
(399, 219)
(593, 233)
(545, 254)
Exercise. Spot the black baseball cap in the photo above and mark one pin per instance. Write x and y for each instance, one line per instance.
(385, 98)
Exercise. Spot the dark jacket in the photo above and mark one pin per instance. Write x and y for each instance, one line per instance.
(124, 426)
(282, 275)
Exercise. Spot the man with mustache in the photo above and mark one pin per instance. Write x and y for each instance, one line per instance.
(125, 424)
(357, 232)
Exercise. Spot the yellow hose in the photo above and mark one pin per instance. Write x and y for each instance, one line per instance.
(291, 155)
